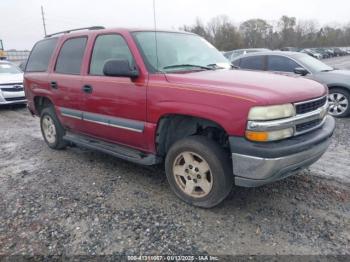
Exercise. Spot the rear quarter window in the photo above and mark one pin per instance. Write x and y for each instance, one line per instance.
(40, 56)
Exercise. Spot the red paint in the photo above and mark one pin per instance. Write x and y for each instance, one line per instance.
(223, 96)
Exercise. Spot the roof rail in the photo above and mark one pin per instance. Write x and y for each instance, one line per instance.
(77, 29)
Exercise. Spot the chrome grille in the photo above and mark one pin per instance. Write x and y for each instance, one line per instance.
(14, 87)
(308, 125)
(10, 99)
(309, 106)
(11, 84)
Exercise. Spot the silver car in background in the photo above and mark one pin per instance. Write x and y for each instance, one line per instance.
(11, 84)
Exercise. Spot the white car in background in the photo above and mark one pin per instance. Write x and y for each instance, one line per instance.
(11, 84)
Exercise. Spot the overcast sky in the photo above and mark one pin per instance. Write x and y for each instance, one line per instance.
(21, 24)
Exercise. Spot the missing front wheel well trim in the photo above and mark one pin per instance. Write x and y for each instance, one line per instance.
(174, 127)
(41, 103)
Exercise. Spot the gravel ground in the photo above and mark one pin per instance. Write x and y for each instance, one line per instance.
(77, 202)
(80, 202)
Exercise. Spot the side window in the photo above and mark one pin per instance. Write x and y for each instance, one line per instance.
(281, 63)
(40, 56)
(109, 47)
(71, 56)
(252, 63)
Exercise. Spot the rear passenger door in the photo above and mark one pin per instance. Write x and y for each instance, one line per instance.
(66, 82)
(115, 107)
(253, 63)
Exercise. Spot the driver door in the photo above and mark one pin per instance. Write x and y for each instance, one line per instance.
(115, 107)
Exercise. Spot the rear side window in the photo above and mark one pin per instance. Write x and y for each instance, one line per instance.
(109, 47)
(281, 63)
(71, 55)
(40, 56)
(252, 63)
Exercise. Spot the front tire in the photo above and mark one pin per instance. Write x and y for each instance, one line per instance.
(339, 102)
(51, 129)
(199, 171)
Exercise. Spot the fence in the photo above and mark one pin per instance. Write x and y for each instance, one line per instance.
(17, 56)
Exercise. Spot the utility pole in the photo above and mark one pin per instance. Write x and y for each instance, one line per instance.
(43, 17)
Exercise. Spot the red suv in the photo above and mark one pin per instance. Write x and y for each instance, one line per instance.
(150, 97)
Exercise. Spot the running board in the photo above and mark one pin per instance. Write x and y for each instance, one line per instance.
(119, 151)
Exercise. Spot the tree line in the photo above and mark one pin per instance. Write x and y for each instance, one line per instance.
(259, 33)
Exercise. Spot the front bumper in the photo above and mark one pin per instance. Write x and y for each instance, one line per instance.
(256, 164)
(7, 98)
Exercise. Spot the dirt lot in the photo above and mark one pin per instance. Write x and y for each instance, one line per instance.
(81, 202)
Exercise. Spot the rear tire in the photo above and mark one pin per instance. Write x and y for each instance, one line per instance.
(51, 129)
(199, 171)
(339, 102)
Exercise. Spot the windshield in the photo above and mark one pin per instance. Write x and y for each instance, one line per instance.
(9, 69)
(314, 64)
(178, 52)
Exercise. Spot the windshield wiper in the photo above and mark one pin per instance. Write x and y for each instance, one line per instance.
(188, 65)
(328, 70)
(215, 66)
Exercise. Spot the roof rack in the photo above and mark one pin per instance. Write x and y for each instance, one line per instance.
(77, 29)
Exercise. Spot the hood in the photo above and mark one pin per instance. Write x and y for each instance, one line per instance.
(264, 88)
(338, 73)
(335, 77)
(11, 78)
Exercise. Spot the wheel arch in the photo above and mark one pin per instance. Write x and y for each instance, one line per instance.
(172, 127)
(340, 86)
(41, 102)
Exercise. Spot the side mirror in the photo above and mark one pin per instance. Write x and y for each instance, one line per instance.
(121, 68)
(235, 66)
(300, 71)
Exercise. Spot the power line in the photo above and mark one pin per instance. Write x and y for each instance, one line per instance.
(43, 17)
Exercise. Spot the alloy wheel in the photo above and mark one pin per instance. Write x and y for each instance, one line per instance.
(49, 129)
(192, 174)
(338, 104)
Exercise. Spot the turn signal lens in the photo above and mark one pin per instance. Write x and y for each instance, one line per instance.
(257, 136)
(269, 136)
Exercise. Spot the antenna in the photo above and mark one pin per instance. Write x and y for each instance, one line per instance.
(43, 18)
(155, 31)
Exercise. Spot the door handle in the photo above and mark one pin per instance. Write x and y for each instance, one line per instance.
(87, 89)
(54, 85)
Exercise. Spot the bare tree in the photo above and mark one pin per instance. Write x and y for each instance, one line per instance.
(256, 32)
(287, 31)
(224, 34)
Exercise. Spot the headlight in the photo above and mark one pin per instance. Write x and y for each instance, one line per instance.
(266, 136)
(271, 112)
